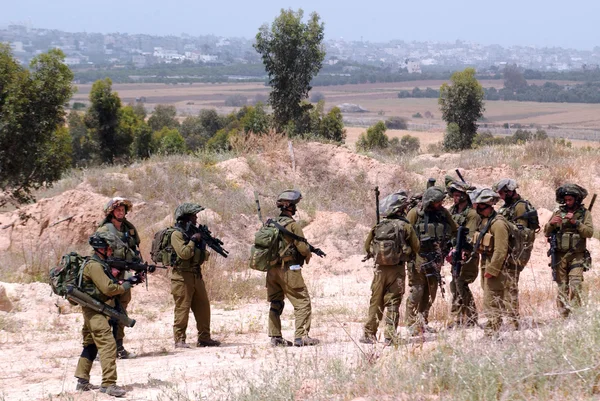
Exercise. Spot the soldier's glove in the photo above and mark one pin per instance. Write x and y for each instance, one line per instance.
(196, 238)
(133, 280)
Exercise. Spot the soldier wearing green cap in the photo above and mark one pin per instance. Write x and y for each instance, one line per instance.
(572, 225)
(435, 228)
(391, 242)
(463, 310)
(187, 286)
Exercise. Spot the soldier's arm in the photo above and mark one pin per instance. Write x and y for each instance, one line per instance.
(412, 216)
(586, 227)
(549, 227)
(500, 232)
(473, 221)
(412, 239)
(183, 250)
(368, 241)
(451, 222)
(302, 247)
(105, 285)
(521, 209)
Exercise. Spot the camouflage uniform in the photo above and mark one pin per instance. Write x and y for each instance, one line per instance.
(128, 234)
(435, 228)
(491, 242)
(388, 283)
(187, 285)
(97, 333)
(572, 255)
(463, 308)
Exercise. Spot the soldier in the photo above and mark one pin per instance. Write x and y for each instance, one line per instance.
(187, 286)
(513, 210)
(391, 242)
(463, 310)
(491, 242)
(99, 282)
(286, 279)
(435, 228)
(116, 223)
(572, 225)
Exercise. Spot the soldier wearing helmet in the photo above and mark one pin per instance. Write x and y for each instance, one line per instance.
(392, 242)
(187, 285)
(491, 241)
(435, 228)
(463, 310)
(99, 281)
(116, 223)
(286, 280)
(572, 225)
(514, 208)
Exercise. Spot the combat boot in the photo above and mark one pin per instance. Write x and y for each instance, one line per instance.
(122, 353)
(181, 344)
(85, 385)
(208, 343)
(305, 341)
(368, 339)
(113, 390)
(280, 342)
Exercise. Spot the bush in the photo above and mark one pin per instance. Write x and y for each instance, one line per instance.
(316, 97)
(396, 123)
(453, 140)
(417, 115)
(406, 145)
(374, 138)
(78, 106)
(169, 141)
(236, 101)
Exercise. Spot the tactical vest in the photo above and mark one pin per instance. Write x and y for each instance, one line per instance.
(568, 237)
(89, 287)
(290, 254)
(129, 237)
(460, 217)
(189, 265)
(432, 229)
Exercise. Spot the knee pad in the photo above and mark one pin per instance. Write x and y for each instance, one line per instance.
(277, 307)
(89, 352)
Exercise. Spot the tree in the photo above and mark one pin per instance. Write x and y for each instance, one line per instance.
(396, 123)
(163, 116)
(462, 103)
(102, 119)
(34, 145)
(211, 121)
(169, 141)
(82, 144)
(256, 119)
(293, 53)
(194, 133)
(514, 79)
(374, 138)
(332, 126)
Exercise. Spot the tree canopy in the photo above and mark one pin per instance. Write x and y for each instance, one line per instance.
(293, 53)
(35, 148)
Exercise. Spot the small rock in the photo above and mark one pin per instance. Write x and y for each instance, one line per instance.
(5, 304)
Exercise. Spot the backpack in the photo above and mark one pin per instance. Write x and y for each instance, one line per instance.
(533, 220)
(269, 246)
(389, 246)
(162, 251)
(520, 243)
(69, 272)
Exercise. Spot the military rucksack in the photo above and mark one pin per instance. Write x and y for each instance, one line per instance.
(520, 244)
(533, 221)
(162, 251)
(69, 272)
(269, 246)
(389, 246)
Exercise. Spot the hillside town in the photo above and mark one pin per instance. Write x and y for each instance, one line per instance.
(84, 50)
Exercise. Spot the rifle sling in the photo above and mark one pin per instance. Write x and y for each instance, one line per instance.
(285, 231)
(486, 228)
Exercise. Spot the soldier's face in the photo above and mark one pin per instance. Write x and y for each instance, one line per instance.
(436, 205)
(119, 212)
(457, 197)
(193, 219)
(569, 201)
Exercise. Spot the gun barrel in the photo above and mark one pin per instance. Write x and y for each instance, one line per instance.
(83, 299)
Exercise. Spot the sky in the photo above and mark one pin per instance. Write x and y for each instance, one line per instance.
(568, 24)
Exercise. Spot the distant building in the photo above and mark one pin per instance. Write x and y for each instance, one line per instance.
(413, 66)
(72, 60)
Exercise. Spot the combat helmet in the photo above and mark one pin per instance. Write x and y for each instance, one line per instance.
(115, 202)
(288, 197)
(457, 186)
(103, 240)
(507, 184)
(185, 209)
(393, 204)
(432, 195)
(574, 190)
(485, 196)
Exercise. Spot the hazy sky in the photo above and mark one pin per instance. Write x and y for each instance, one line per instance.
(505, 22)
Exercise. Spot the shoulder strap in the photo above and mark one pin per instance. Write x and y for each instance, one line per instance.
(486, 228)
(285, 231)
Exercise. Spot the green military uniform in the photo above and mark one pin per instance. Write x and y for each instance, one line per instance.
(491, 242)
(130, 237)
(97, 334)
(463, 308)
(571, 255)
(517, 207)
(435, 230)
(187, 287)
(388, 284)
(283, 282)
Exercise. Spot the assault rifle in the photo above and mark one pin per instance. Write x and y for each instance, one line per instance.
(460, 176)
(83, 299)
(377, 203)
(212, 242)
(295, 237)
(461, 241)
(430, 182)
(121, 265)
(433, 259)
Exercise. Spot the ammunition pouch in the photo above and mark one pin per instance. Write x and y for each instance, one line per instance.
(570, 241)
